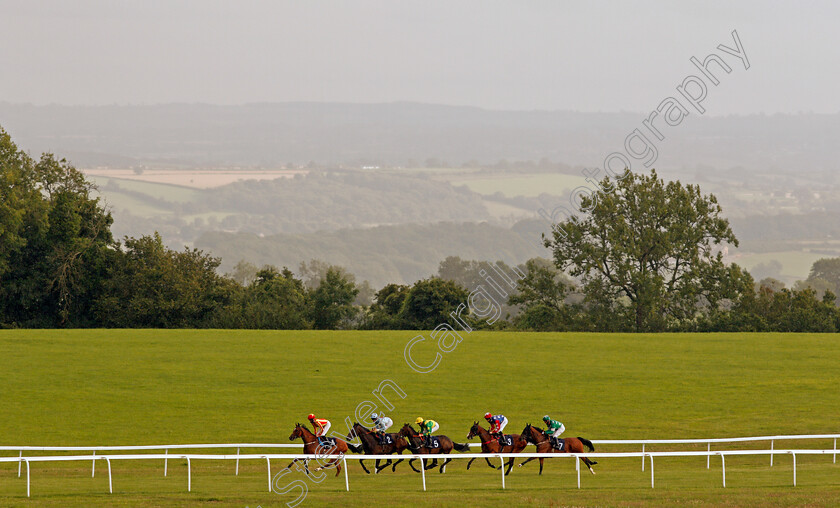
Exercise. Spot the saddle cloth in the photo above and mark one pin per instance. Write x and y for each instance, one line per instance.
(387, 439)
(506, 440)
(433, 442)
(326, 442)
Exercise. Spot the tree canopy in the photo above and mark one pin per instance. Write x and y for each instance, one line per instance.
(646, 250)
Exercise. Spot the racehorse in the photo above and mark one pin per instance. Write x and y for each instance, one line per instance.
(371, 446)
(416, 446)
(489, 444)
(311, 445)
(537, 437)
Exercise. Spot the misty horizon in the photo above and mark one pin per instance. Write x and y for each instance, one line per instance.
(571, 56)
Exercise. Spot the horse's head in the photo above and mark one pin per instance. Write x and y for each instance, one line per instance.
(527, 434)
(473, 430)
(356, 432)
(407, 430)
(297, 433)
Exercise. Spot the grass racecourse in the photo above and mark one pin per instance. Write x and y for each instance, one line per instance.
(132, 387)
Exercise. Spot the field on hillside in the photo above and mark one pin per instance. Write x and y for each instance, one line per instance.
(795, 265)
(128, 387)
(556, 184)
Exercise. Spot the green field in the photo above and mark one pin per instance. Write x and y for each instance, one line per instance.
(520, 185)
(137, 204)
(110, 387)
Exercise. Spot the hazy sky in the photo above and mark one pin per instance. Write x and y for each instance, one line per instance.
(587, 56)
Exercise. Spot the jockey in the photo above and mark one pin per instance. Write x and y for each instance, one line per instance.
(497, 423)
(320, 425)
(554, 428)
(381, 423)
(426, 428)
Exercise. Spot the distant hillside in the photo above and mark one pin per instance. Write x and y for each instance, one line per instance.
(383, 254)
(408, 134)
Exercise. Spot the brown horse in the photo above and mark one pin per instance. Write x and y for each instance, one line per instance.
(312, 446)
(490, 444)
(371, 446)
(415, 446)
(537, 437)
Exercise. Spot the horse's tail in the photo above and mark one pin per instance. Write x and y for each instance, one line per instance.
(587, 443)
(355, 448)
(461, 447)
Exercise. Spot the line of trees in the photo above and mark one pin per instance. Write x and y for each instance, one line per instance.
(645, 256)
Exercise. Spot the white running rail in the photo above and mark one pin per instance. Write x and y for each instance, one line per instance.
(421, 458)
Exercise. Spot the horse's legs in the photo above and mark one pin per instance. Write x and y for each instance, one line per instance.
(529, 459)
(589, 464)
(394, 467)
(510, 465)
(490, 463)
(470, 463)
(541, 464)
(331, 463)
(411, 463)
(380, 468)
(432, 465)
(362, 463)
(443, 467)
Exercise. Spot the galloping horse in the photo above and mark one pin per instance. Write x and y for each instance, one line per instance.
(312, 446)
(415, 445)
(371, 446)
(489, 444)
(535, 436)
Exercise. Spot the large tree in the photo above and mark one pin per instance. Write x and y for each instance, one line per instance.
(332, 301)
(55, 241)
(824, 276)
(429, 303)
(543, 295)
(151, 286)
(650, 250)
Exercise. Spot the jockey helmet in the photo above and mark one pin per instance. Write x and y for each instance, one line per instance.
(374, 417)
(546, 418)
(419, 420)
(311, 417)
(488, 415)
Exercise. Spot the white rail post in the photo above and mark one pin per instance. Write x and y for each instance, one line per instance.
(577, 468)
(237, 462)
(27, 477)
(771, 452)
(189, 475)
(268, 463)
(651, 470)
(346, 477)
(21, 460)
(110, 481)
(93, 468)
(723, 468)
(643, 457)
(423, 473)
(503, 471)
(835, 453)
(794, 469)
(165, 462)
(708, 455)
